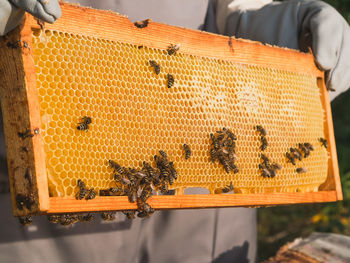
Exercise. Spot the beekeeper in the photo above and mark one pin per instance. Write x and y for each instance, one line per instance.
(209, 235)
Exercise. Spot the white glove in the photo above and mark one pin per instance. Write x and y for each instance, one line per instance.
(296, 24)
(12, 11)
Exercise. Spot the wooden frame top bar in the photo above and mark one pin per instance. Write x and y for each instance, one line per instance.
(115, 27)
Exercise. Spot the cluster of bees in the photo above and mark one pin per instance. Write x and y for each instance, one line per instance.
(267, 168)
(139, 185)
(223, 149)
(303, 151)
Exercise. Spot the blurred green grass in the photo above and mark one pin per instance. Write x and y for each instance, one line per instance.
(279, 225)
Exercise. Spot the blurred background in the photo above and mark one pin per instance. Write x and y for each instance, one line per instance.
(279, 225)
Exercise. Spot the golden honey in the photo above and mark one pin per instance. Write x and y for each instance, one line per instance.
(134, 114)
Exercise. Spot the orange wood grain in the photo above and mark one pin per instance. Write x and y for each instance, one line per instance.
(20, 107)
(115, 27)
(61, 205)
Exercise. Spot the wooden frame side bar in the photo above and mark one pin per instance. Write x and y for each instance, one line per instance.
(333, 179)
(21, 115)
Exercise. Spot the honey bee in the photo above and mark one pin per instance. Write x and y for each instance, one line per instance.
(108, 216)
(86, 217)
(172, 49)
(24, 201)
(304, 149)
(187, 150)
(232, 156)
(235, 169)
(297, 153)
(161, 162)
(119, 169)
(261, 130)
(301, 170)
(25, 220)
(323, 142)
(146, 213)
(131, 195)
(91, 194)
(170, 179)
(155, 65)
(84, 125)
(14, 44)
(263, 143)
(213, 155)
(147, 208)
(265, 172)
(290, 158)
(276, 166)
(142, 24)
(265, 159)
(231, 135)
(26, 134)
(173, 171)
(163, 154)
(55, 219)
(146, 193)
(163, 187)
(228, 188)
(171, 80)
(215, 142)
(272, 173)
(130, 214)
(309, 146)
(82, 190)
(125, 181)
(164, 173)
(116, 191)
(68, 219)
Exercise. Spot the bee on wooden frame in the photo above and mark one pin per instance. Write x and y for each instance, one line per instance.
(91, 194)
(228, 188)
(172, 49)
(82, 190)
(142, 24)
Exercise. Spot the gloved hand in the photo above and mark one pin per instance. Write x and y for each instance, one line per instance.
(12, 11)
(296, 24)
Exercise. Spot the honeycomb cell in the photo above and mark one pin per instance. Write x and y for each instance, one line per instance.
(134, 115)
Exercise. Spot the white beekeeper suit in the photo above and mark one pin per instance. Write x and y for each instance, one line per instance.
(209, 235)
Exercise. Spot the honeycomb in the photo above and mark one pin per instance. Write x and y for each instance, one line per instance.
(134, 115)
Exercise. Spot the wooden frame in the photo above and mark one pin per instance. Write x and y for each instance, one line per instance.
(20, 106)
